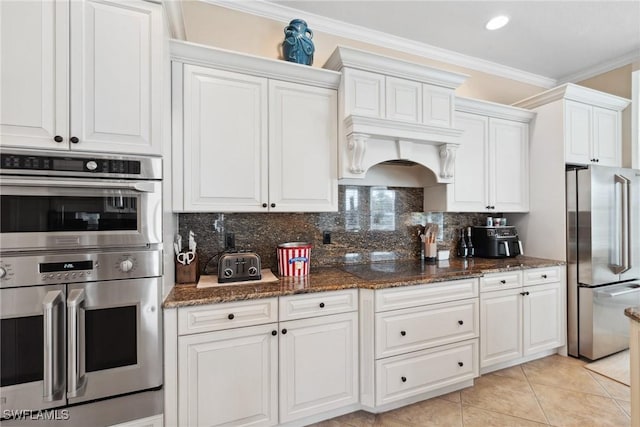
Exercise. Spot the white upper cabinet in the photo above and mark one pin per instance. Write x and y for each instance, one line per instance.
(364, 93)
(591, 123)
(78, 84)
(492, 162)
(404, 100)
(245, 142)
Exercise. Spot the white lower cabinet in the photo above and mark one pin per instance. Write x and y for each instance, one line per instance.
(153, 421)
(318, 365)
(229, 377)
(521, 321)
(417, 342)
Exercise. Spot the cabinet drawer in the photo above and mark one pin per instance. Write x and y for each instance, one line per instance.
(319, 304)
(418, 328)
(537, 276)
(215, 317)
(498, 281)
(404, 376)
(413, 296)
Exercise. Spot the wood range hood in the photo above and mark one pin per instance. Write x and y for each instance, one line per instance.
(392, 110)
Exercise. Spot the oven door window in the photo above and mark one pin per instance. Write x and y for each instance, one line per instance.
(40, 213)
(111, 338)
(21, 350)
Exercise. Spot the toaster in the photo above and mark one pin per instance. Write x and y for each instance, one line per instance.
(496, 242)
(239, 266)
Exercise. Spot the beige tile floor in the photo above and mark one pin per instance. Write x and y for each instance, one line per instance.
(556, 391)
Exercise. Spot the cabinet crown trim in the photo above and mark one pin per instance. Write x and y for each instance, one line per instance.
(355, 58)
(493, 109)
(221, 59)
(575, 93)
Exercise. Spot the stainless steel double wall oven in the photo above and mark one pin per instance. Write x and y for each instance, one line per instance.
(80, 278)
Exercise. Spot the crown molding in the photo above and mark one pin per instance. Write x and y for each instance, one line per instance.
(601, 68)
(493, 109)
(349, 57)
(355, 32)
(575, 93)
(197, 54)
(175, 18)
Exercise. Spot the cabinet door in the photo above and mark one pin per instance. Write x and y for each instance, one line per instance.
(469, 191)
(500, 327)
(116, 86)
(228, 377)
(225, 141)
(34, 103)
(303, 148)
(509, 165)
(577, 132)
(543, 318)
(364, 93)
(403, 100)
(437, 109)
(318, 365)
(606, 137)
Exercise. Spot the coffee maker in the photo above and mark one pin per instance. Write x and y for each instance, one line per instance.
(496, 241)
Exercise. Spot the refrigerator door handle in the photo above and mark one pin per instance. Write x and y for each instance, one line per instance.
(624, 241)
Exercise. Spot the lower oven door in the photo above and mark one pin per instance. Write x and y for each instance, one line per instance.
(114, 338)
(32, 338)
(44, 213)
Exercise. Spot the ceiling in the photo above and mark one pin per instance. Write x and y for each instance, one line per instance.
(558, 40)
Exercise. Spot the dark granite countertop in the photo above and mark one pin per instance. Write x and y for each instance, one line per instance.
(369, 276)
(633, 313)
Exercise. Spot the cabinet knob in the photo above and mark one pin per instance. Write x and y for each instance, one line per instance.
(273, 205)
(404, 379)
(487, 207)
(403, 333)
(264, 205)
(544, 276)
(74, 139)
(321, 305)
(460, 364)
(231, 316)
(597, 160)
(58, 138)
(274, 333)
(460, 322)
(526, 293)
(503, 281)
(284, 331)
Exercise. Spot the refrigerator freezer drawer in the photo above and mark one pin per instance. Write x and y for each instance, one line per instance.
(604, 329)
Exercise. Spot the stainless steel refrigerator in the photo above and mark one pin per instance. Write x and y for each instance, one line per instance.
(603, 258)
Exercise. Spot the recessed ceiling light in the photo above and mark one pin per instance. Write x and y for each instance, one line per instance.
(497, 22)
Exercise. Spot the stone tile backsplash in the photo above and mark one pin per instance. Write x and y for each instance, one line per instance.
(372, 224)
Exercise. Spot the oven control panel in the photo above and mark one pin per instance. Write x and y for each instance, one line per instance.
(46, 269)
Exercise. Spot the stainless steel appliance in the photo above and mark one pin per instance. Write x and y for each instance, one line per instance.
(239, 266)
(59, 200)
(80, 286)
(496, 241)
(603, 254)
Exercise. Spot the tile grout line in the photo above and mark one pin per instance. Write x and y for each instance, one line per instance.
(535, 395)
(592, 374)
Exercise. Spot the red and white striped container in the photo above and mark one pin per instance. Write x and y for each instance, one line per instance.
(294, 258)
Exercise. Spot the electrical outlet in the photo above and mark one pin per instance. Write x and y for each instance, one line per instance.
(326, 237)
(229, 241)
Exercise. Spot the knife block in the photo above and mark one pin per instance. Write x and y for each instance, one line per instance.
(188, 273)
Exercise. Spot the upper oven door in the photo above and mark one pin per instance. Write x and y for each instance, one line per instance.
(55, 213)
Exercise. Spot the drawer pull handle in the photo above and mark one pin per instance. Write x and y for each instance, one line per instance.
(321, 305)
(403, 333)
(274, 333)
(404, 379)
(460, 322)
(231, 316)
(544, 276)
(524, 293)
(503, 281)
(284, 331)
(460, 364)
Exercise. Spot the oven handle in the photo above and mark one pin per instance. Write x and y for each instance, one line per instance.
(76, 379)
(52, 360)
(141, 187)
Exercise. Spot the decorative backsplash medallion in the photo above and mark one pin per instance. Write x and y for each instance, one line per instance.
(372, 224)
